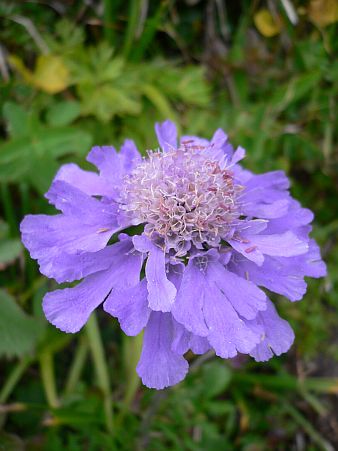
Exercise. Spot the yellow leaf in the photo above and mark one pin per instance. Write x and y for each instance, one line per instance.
(266, 24)
(18, 64)
(51, 74)
(323, 12)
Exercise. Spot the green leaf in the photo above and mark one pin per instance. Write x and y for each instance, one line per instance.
(9, 251)
(4, 229)
(17, 119)
(294, 90)
(19, 332)
(14, 159)
(22, 156)
(56, 142)
(216, 377)
(159, 101)
(63, 113)
(107, 100)
(44, 171)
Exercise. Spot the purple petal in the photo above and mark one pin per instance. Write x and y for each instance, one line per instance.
(295, 217)
(175, 273)
(311, 263)
(159, 366)
(220, 148)
(181, 339)
(70, 308)
(278, 335)
(268, 210)
(72, 201)
(266, 195)
(280, 245)
(46, 236)
(130, 155)
(199, 345)
(245, 297)
(247, 248)
(194, 141)
(106, 159)
(228, 334)
(130, 306)
(184, 340)
(284, 275)
(187, 309)
(269, 183)
(70, 267)
(275, 276)
(142, 243)
(219, 139)
(283, 245)
(161, 291)
(167, 135)
(251, 227)
(111, 167)
(86, 181)
(237, 156)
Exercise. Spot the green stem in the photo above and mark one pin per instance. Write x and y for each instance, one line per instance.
(13, 378)
(9, 212)
(132, 347)
(308, 428)
(287, 382)
(159, 101)
(97, 351)
(109, 19)
(48, 378)
(77, 365)
(134, 11)
(151, 26)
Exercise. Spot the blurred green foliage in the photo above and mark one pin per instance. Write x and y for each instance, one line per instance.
(77, 73)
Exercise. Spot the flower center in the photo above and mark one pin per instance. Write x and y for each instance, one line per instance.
(183, 197)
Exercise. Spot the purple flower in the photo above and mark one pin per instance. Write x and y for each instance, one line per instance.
(214, 234)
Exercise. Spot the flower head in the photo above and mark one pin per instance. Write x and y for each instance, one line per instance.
(214, 236)
(183, 196)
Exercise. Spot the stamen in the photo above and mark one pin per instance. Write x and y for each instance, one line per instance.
(183, 196)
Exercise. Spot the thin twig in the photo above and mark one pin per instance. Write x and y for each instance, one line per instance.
(32, 31)
(3, 65)
(290, 11)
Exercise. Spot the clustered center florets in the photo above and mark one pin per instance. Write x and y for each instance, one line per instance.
(183, 197)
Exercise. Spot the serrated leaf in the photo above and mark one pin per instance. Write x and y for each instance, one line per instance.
(20, 157)
(107, 100)
(14, 159)
(17, 119)
(19, 332)
(63, 113)
(59, 141)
